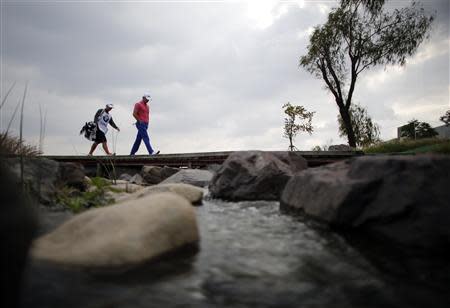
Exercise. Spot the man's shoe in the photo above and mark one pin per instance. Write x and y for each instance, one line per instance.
(157, 152)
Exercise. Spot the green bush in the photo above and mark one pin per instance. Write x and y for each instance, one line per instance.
(78, 201)
(440, 148)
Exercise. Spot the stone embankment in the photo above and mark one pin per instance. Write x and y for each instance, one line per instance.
(398, 200)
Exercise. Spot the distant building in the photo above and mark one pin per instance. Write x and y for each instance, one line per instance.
(443, 131)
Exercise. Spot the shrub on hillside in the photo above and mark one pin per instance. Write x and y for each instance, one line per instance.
(398, 146)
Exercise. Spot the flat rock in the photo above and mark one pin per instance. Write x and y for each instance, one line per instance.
(196, 177)
(121, 235)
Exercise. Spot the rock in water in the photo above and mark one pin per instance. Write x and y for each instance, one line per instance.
(403, 200)
(255, 175)
(121, 235)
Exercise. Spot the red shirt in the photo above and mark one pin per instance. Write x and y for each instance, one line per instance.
(142, 111)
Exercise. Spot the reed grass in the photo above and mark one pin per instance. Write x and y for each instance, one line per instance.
(6, 95)
(42, 127)
(13, 146)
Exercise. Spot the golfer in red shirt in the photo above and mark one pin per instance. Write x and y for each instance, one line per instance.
(141, 114)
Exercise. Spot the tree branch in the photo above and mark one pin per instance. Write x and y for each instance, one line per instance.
(326, 79)
(335, 78)
(375, 59)
(352, 85)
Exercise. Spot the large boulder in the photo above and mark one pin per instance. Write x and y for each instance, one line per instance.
(255, 175)
(196, 177)
(121, 235)
(397, 199)
(156, 174)
(43, 177)
(191, 193)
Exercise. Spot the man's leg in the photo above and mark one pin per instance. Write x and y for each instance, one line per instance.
(137, 142)
(93, 147)
(144, 134)
(105, 147)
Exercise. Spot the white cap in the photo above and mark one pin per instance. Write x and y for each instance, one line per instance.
(109, 105)
(147, 96)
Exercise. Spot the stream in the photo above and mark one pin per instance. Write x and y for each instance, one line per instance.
(250, 255)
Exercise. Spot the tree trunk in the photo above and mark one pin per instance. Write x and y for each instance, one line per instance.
(345, 115)
(291, 145)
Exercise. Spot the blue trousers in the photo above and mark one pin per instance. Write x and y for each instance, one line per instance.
(141, 135)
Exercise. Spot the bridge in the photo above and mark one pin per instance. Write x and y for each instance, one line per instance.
(187, 160)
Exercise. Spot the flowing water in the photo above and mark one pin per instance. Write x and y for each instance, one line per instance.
(250, 255)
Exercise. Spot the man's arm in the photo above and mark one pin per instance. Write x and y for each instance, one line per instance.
(136, 112)
(135, 115)
(111, 122)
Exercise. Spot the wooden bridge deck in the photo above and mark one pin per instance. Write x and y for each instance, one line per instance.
(192, 160)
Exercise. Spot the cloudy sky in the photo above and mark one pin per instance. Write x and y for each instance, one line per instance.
(218, 71)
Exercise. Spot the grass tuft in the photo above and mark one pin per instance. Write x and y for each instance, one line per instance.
(95, 197)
